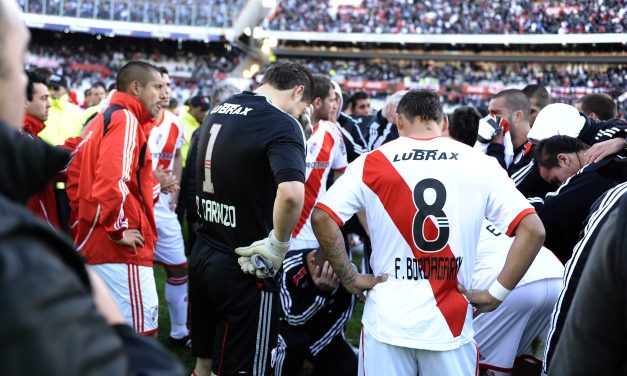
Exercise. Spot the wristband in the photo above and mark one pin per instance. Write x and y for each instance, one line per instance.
(276, 243)
(498, 291)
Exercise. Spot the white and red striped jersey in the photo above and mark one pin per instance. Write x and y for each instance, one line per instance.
(425, 200)
(325, 152)
(491, 254)
(165, 139)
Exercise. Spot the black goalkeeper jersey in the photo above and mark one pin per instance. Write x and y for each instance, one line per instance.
(246, 148)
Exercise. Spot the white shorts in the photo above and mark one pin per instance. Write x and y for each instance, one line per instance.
(377, 358)
(133, 289)
(509, 332)
(170, 249)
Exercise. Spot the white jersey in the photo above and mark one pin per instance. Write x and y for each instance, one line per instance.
(325, 152)
(491, 254)
(164, 140)
(425, 201)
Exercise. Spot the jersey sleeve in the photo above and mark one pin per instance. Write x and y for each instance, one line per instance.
(286, 153)
(506, 206)
(299, 303)
(346, 196)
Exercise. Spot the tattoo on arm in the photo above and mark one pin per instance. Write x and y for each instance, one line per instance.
(332, 246)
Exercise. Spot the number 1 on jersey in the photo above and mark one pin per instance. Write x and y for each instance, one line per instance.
(207, 184)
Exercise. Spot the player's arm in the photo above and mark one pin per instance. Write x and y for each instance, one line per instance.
(332, 246)
(290, 197)
(299, 304)
(178, 174)
(527, 243)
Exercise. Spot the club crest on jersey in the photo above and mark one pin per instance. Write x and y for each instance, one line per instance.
(426, 155)
(231, 109)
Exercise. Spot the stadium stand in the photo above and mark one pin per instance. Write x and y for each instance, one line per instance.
(451, 17)
(170, 12)
(195, 68)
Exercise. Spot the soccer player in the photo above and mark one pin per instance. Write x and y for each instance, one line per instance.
(425, 198)
(116, 191)
(326, 152)
(164, 143)
(250, 184)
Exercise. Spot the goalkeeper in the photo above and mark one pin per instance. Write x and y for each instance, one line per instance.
(250, 175)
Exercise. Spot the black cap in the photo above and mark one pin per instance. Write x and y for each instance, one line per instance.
(202, 101)
(58, 81)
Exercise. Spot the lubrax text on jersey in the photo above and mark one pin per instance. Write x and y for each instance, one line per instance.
(431, 268)
(426, 155)
(231, 109)
(216, 212)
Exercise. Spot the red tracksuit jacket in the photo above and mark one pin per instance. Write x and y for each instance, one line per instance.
(111, 186)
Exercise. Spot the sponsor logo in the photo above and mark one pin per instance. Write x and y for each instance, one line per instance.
(426, 155)
(231, 109)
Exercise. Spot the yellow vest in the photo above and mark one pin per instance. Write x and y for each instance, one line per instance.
(190, 124)
(64, 121)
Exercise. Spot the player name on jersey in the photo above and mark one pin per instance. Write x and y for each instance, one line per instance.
(231, 109)
(430, 268)
(215, 212)
(426, 155)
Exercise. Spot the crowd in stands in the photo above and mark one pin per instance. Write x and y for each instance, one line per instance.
(452, 17)
(219, 13)
(194, 69)
(450, 77)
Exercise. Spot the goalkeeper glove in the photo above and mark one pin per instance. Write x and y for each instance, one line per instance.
(264, 257)
(489, 126)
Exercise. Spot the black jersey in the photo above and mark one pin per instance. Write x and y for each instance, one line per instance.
(246, 148)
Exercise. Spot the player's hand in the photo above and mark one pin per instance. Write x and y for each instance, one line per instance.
(174, 199)
(265, 256)
(481, 300)
(603, 149)
(168, 181)
(130, 238)
(324, 278)
(358, 283)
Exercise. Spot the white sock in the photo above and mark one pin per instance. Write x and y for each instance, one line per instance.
(176, 296)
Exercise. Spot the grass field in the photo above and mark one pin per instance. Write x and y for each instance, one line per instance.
(352, 328)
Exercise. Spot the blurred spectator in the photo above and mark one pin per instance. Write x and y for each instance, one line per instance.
(360, 104)
(199, 105)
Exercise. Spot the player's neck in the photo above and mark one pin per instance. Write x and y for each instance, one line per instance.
(279, 98)
(160, 115)
(421, 130)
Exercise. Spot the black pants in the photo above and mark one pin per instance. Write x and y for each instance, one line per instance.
(234, 316)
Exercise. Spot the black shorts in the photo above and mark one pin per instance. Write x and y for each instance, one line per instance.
(234, 316)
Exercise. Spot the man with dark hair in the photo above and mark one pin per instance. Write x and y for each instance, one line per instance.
(418, 319)
(250, 186)
(98, 92)
(87, 98)
(538, 99)
(43, 204)
(192, 117)
(463, 125)
(65, 119)
(360, 104)
(598, 106)
(560, 161)
(113, 191)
